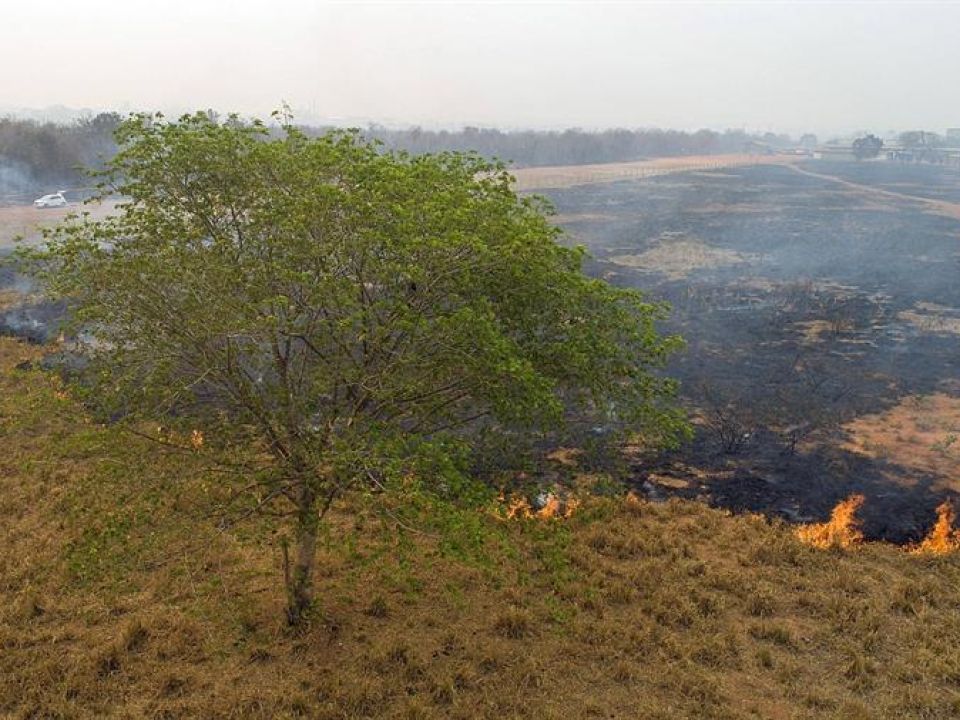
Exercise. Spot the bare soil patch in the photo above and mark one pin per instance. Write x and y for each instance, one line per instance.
(562, 176)
(28, 222)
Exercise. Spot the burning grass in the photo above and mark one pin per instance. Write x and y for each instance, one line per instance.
(119, 597)
(842, 530)
(551, 506)
(943, 538)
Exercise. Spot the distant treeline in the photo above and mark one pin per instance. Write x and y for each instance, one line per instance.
(45, 156)
(576, 147)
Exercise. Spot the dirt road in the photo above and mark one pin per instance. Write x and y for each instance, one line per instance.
(561, 176)
(938, 207)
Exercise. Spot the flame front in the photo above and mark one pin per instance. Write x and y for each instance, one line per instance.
(841, 530)
(632, 500)
(942, 538)
(554, 507)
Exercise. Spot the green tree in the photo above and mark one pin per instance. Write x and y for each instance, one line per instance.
(867, 147)
(357, 315)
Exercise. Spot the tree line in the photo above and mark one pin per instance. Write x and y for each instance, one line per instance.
(42, 156)
(575, 146)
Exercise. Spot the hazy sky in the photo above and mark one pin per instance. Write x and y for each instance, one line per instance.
(820, 66)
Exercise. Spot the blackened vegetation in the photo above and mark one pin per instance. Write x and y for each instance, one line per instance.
(793, 319)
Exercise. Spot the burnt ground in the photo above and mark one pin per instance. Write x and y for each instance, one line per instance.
(806, 304)
(822, 325)
(935, 182)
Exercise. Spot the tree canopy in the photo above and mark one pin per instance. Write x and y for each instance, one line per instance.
(867, 147)
(357, 315)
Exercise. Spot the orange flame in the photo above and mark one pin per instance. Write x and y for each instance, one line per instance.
(554, 507)
(841, 530)
(632, 500)
(942, 538)
(196, 439)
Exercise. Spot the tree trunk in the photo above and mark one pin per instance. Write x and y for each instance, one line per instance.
(299, 577)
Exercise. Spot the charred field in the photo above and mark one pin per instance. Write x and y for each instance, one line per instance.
(821, 311)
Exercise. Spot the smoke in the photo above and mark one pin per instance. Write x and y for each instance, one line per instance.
(27, 323)
(28, 318)
(37, 321)
(22, 285)
(17, 182)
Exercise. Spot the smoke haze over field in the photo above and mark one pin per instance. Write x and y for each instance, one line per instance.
(787, 67)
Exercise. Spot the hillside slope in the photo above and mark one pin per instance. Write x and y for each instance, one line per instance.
(119, 597)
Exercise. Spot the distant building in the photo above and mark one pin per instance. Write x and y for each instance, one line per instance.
(755, 147)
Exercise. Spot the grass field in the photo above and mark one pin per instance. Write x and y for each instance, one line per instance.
(120, 597)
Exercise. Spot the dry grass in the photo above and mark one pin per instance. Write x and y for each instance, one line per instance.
(677, 256)
(813, 332)
(921, 433)
(933, 318)
(119, 598)
(8, 298)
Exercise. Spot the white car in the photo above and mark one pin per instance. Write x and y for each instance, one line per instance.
(50, 201)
